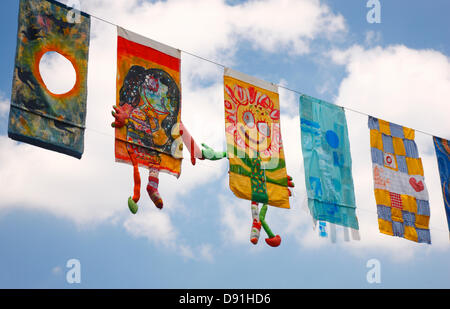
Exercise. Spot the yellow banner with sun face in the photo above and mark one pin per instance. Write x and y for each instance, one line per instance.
(254, 144)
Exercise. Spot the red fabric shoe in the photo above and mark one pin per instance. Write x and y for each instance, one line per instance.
(274, 241)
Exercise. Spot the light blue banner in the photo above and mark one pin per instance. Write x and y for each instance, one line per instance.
(328, 163)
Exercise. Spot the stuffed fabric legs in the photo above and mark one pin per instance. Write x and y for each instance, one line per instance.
(258, 221)
(152, 187)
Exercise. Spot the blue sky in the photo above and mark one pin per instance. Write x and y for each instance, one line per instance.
(53, 208)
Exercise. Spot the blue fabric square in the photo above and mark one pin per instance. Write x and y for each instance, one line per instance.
(384, 212)
(398, 229)
(423, 207)
(411, 148)
(373, 123)
(423, 236)
(388, 146)
(377, 156)
(396, 130)
(401, 162)
(409, 218)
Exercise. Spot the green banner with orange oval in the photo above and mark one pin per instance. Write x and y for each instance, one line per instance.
(38, 116)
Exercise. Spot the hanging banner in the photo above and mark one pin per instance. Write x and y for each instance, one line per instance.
(38, 116)
(400, 191)
(254, 144)
(328, 163)
(442, 148)
(149, 97)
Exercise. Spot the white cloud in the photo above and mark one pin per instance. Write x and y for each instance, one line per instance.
(373, 37)
(57, 270)
(153, 224)
(236, 220)
(4, 106)
(186, 252)
(57, 83)
(213, 28)
(398, 83)
(206, 253)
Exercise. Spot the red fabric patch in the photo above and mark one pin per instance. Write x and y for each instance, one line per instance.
(396, 200)
(417, 186)
(144, 52)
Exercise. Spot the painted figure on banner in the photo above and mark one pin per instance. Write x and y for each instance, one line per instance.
(149, 131)
(254, 149)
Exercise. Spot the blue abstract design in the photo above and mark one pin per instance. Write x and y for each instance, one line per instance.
(328, 164)
(332, 139)
(442, 148)
(323, 229)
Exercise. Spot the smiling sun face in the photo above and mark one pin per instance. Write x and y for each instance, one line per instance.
(252, 119)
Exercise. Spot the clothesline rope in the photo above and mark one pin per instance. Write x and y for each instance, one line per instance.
(224, 66)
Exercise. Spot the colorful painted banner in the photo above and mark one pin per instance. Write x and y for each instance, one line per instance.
(255, 148)
(149, 94)
(400, 191)
(38, 116)
(442, 148)
(328, 163)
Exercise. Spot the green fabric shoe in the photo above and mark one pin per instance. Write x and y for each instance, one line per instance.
(132, 205)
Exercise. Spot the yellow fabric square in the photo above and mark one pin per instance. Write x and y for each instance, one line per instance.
(399, 147)
(409, 133)
(410, 233)
(409, 203)
(375, 139)
(382, 197)
(385, 227)
(415, 166)
(422, 222)
(396, 214)
(384, 127)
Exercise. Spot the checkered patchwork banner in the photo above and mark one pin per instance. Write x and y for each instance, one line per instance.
(400, 191)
